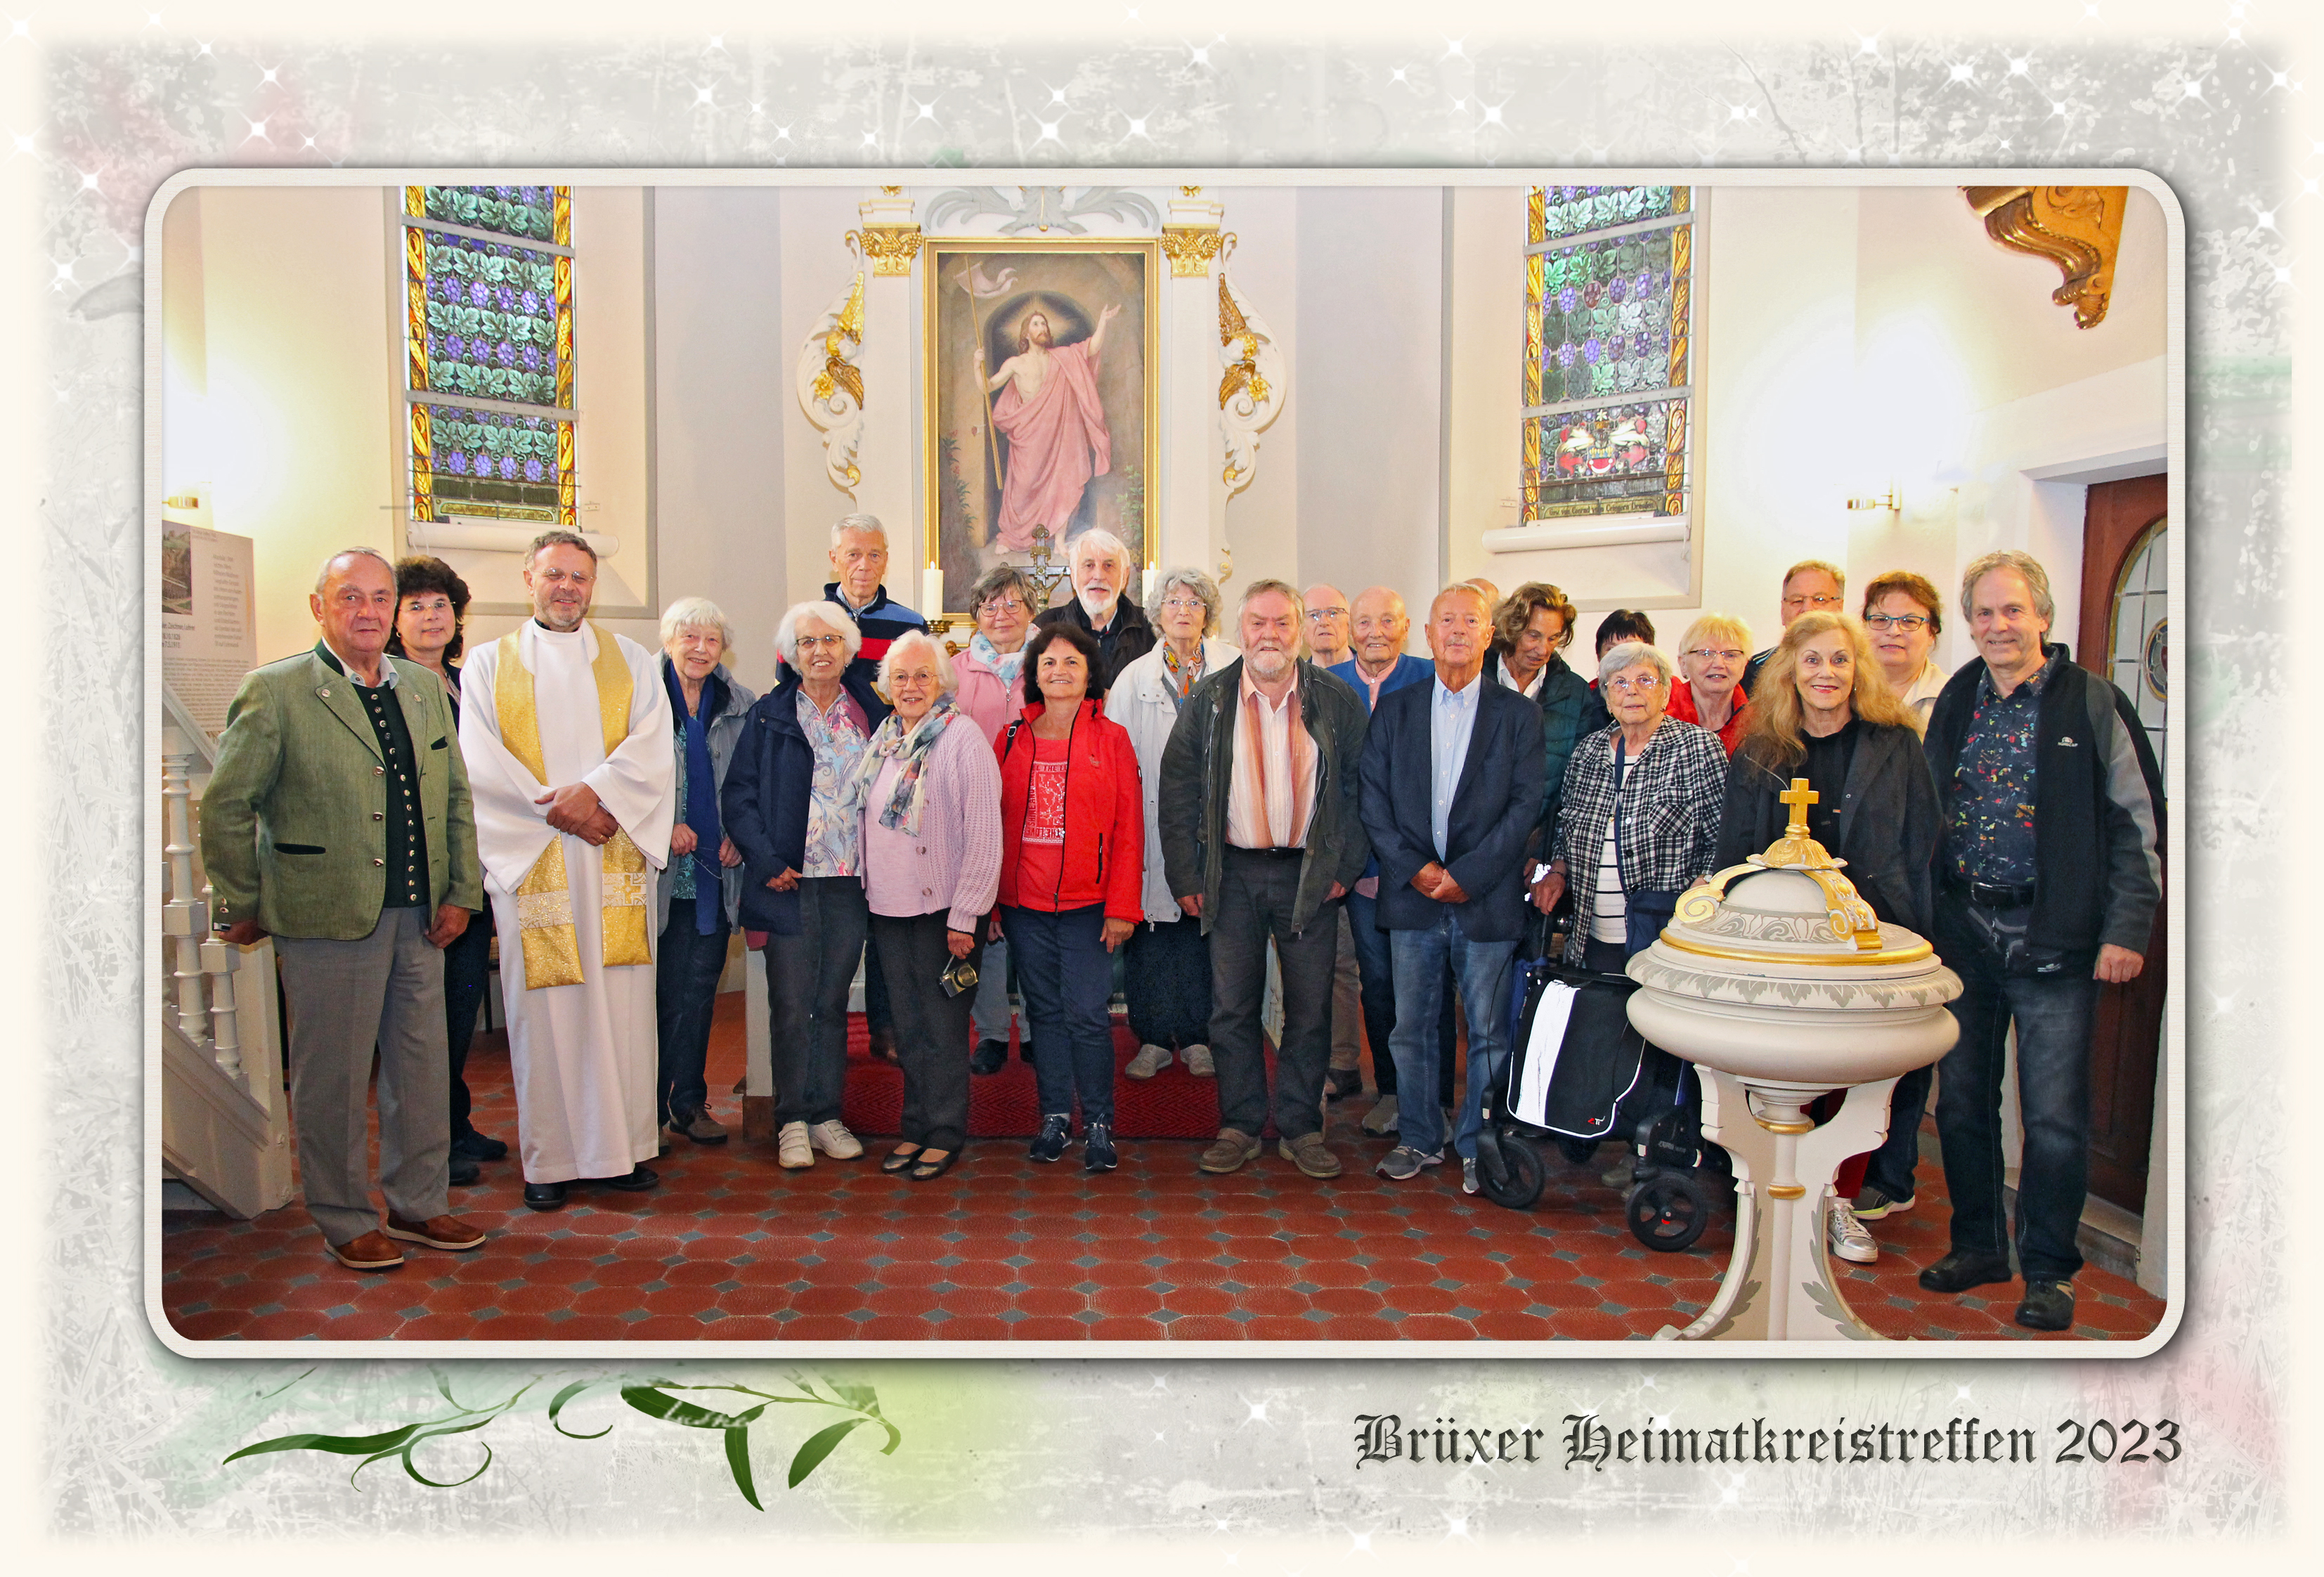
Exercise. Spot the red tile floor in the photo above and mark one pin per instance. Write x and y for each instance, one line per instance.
(732, 1248)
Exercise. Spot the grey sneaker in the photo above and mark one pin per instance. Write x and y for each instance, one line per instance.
(1381, 1119)
(1199, 1063)
(1228, 1151)
(1846, 1236)
(1874, 1203)
(1468, 1174)
(1310, 1155)
(1405, 1162)
(1622, 1173)
(1150, 1060)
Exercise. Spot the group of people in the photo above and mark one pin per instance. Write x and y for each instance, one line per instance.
(1098, 796)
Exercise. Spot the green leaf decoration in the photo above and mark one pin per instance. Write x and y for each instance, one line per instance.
(817, 1447)
(655, 1398)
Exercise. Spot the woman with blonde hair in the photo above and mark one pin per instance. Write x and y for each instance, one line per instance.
(1823, 710)
(1709, 691)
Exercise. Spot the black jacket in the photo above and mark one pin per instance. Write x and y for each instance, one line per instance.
(2098, 811)
(1198, 769)
(1889, 827)
(764, 803)
(1129, 638)
(1496, 805)
(1567, 702)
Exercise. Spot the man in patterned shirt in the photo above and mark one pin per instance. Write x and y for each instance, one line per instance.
(2048, 878)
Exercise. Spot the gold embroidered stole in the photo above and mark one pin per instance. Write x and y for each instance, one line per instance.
(552, 951)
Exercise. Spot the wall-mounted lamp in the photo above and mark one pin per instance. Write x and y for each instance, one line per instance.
(1888, 501)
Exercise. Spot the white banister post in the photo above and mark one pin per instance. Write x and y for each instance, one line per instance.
(220, 962)
(185, 918)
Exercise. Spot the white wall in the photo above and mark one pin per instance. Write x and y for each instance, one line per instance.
(1370, 387)
(277, 380)
(816, 267)
(723, 380)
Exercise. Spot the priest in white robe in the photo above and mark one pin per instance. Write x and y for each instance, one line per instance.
(566, 732)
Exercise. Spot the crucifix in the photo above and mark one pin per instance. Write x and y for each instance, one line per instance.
(1799, 797)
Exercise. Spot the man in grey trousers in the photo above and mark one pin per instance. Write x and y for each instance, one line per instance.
(337, 823)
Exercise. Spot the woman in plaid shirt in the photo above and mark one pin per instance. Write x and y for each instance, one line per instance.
(1640, 821)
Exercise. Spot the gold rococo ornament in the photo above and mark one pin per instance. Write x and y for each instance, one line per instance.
(890, 247)
(1190, 249)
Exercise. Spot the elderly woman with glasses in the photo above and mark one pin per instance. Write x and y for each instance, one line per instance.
(789, 809)
(701, 891)
(1824, 712)
(991, 676)
(1640, 821)
(1168, 977)
(1709, 694)
(928, 792)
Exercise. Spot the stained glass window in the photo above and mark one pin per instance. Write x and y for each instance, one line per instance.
(488, 331)
(1608, 293)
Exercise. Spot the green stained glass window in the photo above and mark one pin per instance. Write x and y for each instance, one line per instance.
(1609, 298)
(489, 338)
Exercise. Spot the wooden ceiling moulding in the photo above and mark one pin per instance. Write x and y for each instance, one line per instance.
(2077, 227)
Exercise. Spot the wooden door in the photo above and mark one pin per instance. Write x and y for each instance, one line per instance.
(2123, 633)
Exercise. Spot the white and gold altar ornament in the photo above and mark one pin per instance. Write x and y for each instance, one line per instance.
(1777, 981)
(1250, 384)
(830, 384)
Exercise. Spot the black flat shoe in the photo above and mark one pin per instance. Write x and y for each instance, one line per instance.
(989, 1058)
(927, 1171)
(637, 1180)
(544, 1196)
(1960, 1271)
(900, 1159)
(463, 1171)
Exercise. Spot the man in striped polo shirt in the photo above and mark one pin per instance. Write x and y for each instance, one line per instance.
(859, 558)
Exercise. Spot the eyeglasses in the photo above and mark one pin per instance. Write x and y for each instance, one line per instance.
(815, 642)
(1183, 604)
(1811, 601)
(1631, 684)
(1320, 616)
(1706, 653)
(1907, 622)
(1010, 604)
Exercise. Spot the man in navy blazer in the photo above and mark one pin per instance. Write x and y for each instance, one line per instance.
(1452, 781)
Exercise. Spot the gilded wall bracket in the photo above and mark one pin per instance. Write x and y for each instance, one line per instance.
(2077, 227)
(830, 386)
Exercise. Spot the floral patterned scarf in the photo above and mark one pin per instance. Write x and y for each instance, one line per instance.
(910, 754)
(1008, 666)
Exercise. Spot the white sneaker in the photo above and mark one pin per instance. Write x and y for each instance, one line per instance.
(1381, 1118)
(1846, 1236)
(1198, 1062)
(834, 1140)
(792, 1151)
(1150, 1060)
(1469, 1175)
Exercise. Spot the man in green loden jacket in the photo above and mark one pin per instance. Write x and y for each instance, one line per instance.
(337, 823)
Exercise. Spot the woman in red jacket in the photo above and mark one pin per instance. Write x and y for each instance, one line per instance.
(1072, 862)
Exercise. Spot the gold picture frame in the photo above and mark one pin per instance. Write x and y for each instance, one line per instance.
(1105, 289)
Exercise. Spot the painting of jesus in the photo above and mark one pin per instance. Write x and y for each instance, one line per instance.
(1041, 403)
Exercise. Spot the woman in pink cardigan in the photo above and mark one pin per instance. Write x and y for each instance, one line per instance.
(929, 790)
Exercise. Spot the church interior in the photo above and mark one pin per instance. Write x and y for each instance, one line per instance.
(1654, 397)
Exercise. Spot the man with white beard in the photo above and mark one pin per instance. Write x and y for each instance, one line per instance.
(1261, 840)
(566, 736)
(1100, 566)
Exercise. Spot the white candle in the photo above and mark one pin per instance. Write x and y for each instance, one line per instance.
(932, 592)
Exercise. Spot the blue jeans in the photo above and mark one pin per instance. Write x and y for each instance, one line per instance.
(1066, 977)
(2052, 1014)
(1890, 1169)
(1375, 984)
(1482, 969)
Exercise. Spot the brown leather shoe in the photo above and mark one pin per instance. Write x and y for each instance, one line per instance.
(369, 1252)
(881, 1043)
(1309, 1154)
(1228, 1151)
(437, 1231)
